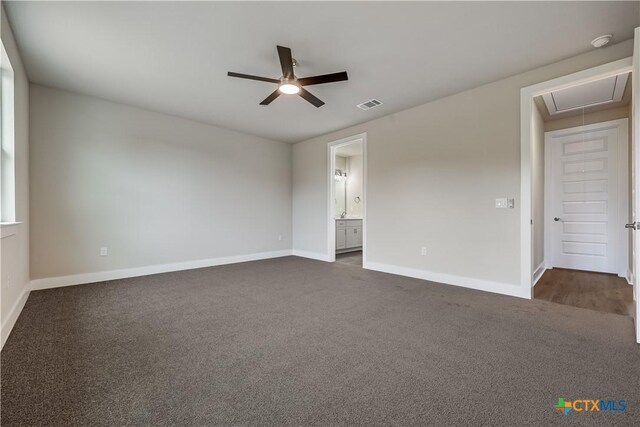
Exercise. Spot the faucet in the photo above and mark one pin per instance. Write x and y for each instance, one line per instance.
(343, 214)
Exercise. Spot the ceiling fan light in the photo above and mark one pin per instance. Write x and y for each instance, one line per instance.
(289, 88)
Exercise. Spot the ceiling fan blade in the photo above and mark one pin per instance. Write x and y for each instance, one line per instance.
(269, 99)
(326, 78)
(286, 62)
(312, 99)
(250, 77)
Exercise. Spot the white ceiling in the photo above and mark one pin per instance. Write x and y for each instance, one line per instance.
(585, 95)
(172, 57)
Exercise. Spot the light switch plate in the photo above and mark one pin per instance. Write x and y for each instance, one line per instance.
(511, 203)
(501, 203)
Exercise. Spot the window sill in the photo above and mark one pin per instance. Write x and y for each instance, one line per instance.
(9, 228)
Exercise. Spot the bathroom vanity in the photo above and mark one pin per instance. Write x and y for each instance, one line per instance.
(348, 234)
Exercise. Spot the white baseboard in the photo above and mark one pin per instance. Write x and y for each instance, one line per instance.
(101, 276)
(311, 255)
(11, 319)
(448, 279)
(538, 272)
(629, 277)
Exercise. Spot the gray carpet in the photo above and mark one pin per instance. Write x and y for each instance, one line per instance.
(292, 341)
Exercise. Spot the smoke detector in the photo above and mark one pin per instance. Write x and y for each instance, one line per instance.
(601, 41)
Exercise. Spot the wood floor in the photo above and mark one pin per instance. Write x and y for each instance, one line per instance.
(602, 292)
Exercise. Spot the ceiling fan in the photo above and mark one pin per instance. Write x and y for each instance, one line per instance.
(289, 84)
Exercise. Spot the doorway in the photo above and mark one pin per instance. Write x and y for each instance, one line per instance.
(576, 189)
(585, 258)
(586, 247)
(346, 215)
(586, 197)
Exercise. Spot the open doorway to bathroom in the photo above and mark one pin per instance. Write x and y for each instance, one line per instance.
(347, 200)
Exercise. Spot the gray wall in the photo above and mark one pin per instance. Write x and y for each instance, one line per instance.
(622, 112)
(154, 189)
(537, 187)
(15, 248)
(434, 172)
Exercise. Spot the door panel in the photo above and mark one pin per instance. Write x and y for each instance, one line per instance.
(584, 198)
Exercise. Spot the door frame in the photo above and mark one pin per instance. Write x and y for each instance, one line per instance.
(331, 221)
(621, 244)
(526, 116)
(635, 174)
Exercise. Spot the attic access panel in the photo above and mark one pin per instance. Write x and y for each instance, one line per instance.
(604, 91)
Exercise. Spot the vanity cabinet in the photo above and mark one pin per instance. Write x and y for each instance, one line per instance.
(354, 237)
(348, 234)
(341, 237)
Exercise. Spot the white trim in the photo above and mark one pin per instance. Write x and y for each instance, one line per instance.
(14, 313)
(539, 272)
(628, 276)
(331, 222)
(635, 173)
(526, 110)
(101, 276)
(621, 241)
(448, 279)
(311, 255)
(546, 235)
(8, 229)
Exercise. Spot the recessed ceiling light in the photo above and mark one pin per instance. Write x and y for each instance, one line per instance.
(289, 88)
(601, 41)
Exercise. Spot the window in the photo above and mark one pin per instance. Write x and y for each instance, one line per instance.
(7, 134)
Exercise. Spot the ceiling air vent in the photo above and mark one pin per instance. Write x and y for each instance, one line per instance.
(369, 104)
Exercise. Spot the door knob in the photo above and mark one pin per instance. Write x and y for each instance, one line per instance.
(556, 219)
(633, 226)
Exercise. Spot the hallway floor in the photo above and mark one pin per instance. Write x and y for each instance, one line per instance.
(351, 258)
(601, 292)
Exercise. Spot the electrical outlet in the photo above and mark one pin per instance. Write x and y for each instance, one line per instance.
(104, 251)
(423, 251)
(511, 203)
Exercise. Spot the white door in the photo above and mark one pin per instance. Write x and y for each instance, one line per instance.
(588, 191)
(635, 144)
